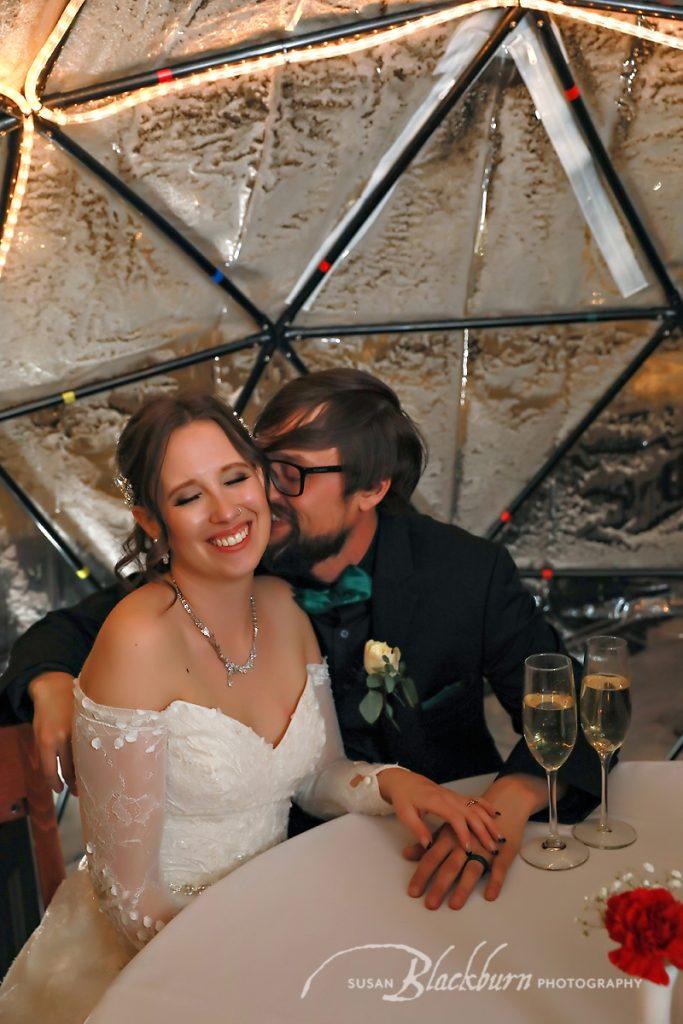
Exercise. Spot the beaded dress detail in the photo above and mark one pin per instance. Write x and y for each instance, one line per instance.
(170, 802)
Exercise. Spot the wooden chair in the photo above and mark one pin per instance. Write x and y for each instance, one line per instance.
(31, 861)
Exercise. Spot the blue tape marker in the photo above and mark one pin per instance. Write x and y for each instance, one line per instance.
(217, 277)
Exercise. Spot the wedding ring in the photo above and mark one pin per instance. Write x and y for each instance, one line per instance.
(472, 803)
(482, 860)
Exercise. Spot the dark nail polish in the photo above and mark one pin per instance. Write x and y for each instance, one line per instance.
(498, 814)
(502, 839)
(495, 852)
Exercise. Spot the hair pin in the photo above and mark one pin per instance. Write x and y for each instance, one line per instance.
(126, 488)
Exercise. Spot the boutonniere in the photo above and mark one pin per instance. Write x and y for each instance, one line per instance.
(385, 679)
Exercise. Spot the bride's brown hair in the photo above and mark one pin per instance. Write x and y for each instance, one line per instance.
(139, 456)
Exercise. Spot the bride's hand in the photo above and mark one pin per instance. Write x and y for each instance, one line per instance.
(413, 795)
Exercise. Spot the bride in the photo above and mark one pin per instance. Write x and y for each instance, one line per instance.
(202, 711)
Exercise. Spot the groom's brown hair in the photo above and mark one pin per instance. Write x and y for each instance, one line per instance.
(361, 416)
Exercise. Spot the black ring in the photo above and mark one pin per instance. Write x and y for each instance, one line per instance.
(482, 860)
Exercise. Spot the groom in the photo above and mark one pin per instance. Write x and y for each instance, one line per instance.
(344, 460)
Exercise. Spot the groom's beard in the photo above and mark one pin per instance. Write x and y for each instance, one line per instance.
(296, 555)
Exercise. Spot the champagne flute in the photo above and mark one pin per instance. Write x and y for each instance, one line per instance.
(549, 720)
(605, 718)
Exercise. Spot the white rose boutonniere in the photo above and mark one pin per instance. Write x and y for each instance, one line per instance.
(385, 677)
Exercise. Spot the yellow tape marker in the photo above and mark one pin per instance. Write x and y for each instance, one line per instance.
(83, 573)
(68, 397)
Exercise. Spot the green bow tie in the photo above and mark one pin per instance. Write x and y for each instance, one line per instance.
(353, 585)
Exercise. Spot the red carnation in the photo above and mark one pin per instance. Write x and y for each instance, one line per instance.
(649, 925)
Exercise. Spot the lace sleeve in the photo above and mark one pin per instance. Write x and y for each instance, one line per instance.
(327, 792)
(120, 759)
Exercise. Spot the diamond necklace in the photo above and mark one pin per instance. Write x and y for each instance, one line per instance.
(230, 666)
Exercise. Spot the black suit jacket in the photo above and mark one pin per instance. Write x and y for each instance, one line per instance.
(455, 606)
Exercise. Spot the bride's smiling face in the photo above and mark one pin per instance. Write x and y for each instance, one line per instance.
(214, 503)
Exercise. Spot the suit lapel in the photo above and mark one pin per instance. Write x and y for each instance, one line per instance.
(393, 590)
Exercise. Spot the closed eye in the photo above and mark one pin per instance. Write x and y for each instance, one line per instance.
(227, 483)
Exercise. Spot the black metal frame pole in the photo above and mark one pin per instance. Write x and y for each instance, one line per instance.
(11, 168)
(98, 387)
(293, 356)
(8, 123)
(479, 62)
(662, 332)
(646, 8)
(294, 333)
(215, 273)
(263, 358)
(249, 51)
(544, 28)
(62, 548)
(128, 83)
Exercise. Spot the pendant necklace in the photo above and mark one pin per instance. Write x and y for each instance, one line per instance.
(231, 667)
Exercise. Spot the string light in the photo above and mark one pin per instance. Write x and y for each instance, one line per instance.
(30, 102)
(328, 50)
(46, 51)
(604, 21)
(16, 98)
(323, 51)
(20, 185)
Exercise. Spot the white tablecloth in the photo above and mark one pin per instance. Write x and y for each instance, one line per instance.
(248, 949)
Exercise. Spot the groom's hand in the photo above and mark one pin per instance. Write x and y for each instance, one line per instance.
(445, 862)
(52, 696)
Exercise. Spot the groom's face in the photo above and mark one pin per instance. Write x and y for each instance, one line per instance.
(313, 526)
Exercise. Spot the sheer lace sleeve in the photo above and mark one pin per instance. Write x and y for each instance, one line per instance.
(327, 792)
(120, 759)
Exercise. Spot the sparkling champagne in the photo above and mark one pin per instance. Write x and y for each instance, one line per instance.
(605, 711)
(549, 727)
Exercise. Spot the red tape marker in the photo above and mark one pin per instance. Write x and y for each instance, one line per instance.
(505, 516)
(547, 574)
(165, 75)
(572, 94)
(324, 266)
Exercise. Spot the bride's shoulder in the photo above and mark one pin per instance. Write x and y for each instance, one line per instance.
(127, 666)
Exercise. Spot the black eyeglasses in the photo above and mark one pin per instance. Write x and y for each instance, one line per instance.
(289, 479)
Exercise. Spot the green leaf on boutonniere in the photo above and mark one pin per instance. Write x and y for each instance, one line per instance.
(390, 715)
(375, 682)
(389, 683)
(371, 706)
(410, 691)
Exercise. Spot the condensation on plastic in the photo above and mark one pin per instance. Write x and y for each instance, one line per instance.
(433, 400)
(575, 157)
(483, 222)
(617, 498)
(24, 26)
(33, 578)
(89, 288)
(132, 37)
(258, 170)
(525, 390)
(469, 36)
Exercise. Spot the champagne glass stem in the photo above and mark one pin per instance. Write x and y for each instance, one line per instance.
(604, 766)
(553, 842)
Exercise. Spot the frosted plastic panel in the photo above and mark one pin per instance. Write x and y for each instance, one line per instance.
(258, 170)
(637, 105)
(88, 285)
(64, 457)
(24, 26)
(425, 371)
(617, 498)
(524, 391)
(33, 578)
(140, 36)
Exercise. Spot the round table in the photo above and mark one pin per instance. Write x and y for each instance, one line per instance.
(320, 929)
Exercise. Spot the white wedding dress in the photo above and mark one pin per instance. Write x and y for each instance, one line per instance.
(171, 801)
